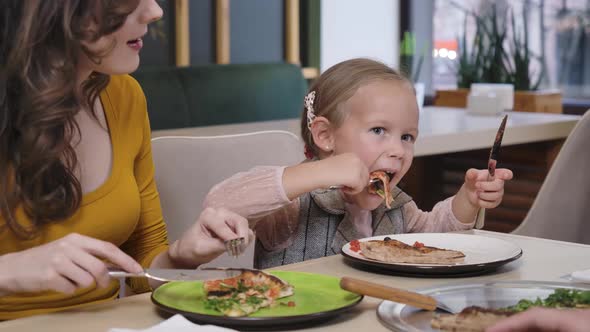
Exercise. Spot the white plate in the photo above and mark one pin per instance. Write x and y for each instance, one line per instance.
(481, 253)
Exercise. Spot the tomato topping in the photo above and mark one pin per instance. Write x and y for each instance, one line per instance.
(273, 292)
(290, 304)
(355, 245)
(418, 244)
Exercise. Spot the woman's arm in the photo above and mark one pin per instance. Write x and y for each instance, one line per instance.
(150, 237)
(148, 243)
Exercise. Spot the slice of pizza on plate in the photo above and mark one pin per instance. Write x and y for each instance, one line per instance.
(246, 293)
(393, 251)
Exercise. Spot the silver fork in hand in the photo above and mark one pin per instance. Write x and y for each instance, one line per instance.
(235, 247)
(340, 186)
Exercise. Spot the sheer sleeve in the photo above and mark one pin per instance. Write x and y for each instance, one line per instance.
(258, 195)
(440, 219)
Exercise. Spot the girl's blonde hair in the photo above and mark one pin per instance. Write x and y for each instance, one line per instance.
(338, 84)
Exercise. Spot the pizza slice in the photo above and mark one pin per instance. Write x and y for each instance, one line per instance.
(470, 319)
(381, 186)
(476, 318)
(394, 251)
(246, 293)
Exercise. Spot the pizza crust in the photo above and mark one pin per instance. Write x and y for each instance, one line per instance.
(470, 319)
(393, 251)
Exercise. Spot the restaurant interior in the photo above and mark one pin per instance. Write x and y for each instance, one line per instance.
(501, 84)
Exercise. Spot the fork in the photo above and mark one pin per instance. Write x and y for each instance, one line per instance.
(235, 247)
(341, 186)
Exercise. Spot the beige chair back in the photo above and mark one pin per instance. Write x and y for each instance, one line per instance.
(187, 168)
(561, 210)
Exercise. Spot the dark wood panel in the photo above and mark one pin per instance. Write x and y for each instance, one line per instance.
(434, 178)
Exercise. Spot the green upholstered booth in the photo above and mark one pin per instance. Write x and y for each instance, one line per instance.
(221, 94)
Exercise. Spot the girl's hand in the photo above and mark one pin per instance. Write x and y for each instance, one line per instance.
(482, 193)
(205, 239)
(345, 170)
(64, 265)
(477, 192)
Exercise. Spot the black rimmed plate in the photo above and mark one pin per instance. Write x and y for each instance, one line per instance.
(482, 254)
(317, 298)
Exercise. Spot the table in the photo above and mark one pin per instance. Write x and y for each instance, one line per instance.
(542, 260)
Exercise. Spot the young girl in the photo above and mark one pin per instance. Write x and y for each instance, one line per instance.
(360, 116)
(76, 173)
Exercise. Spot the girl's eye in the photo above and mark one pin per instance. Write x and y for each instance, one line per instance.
(407, 138)
(378, 130)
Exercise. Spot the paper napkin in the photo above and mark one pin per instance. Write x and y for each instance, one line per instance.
(177, 323)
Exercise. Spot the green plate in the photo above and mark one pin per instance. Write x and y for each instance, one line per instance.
(317, 297)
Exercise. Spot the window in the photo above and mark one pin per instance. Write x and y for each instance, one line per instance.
(558, 36)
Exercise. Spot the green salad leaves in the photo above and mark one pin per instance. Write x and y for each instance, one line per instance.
(561, 298)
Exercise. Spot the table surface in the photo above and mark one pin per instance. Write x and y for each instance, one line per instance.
(442, 129)
(542, 259)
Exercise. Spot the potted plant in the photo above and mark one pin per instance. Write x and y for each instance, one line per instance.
(499, 53)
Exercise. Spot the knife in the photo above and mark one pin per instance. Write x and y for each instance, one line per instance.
(495, 151)
(206, 273)
(379, 291)
(492, 162)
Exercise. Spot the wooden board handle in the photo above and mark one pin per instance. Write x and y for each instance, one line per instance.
(388, 293)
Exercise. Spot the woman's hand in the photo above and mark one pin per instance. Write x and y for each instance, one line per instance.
(543, 319)
(205, 239)
(64, 265)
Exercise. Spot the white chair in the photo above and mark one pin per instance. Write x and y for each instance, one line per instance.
(561, 209)
(187, 168)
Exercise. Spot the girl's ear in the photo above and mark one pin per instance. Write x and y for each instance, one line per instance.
(322, 133)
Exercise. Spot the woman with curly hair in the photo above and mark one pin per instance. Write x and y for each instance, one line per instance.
(77, 189)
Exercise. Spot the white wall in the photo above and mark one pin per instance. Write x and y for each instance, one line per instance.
(359, 28)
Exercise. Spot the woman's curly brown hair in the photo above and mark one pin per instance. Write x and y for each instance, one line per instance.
(40, 43)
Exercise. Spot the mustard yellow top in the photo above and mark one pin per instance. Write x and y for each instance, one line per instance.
(125, 210)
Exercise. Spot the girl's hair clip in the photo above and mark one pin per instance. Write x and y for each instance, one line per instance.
(309, 99)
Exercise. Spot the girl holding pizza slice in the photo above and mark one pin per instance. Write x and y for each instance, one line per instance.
(359, 118)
